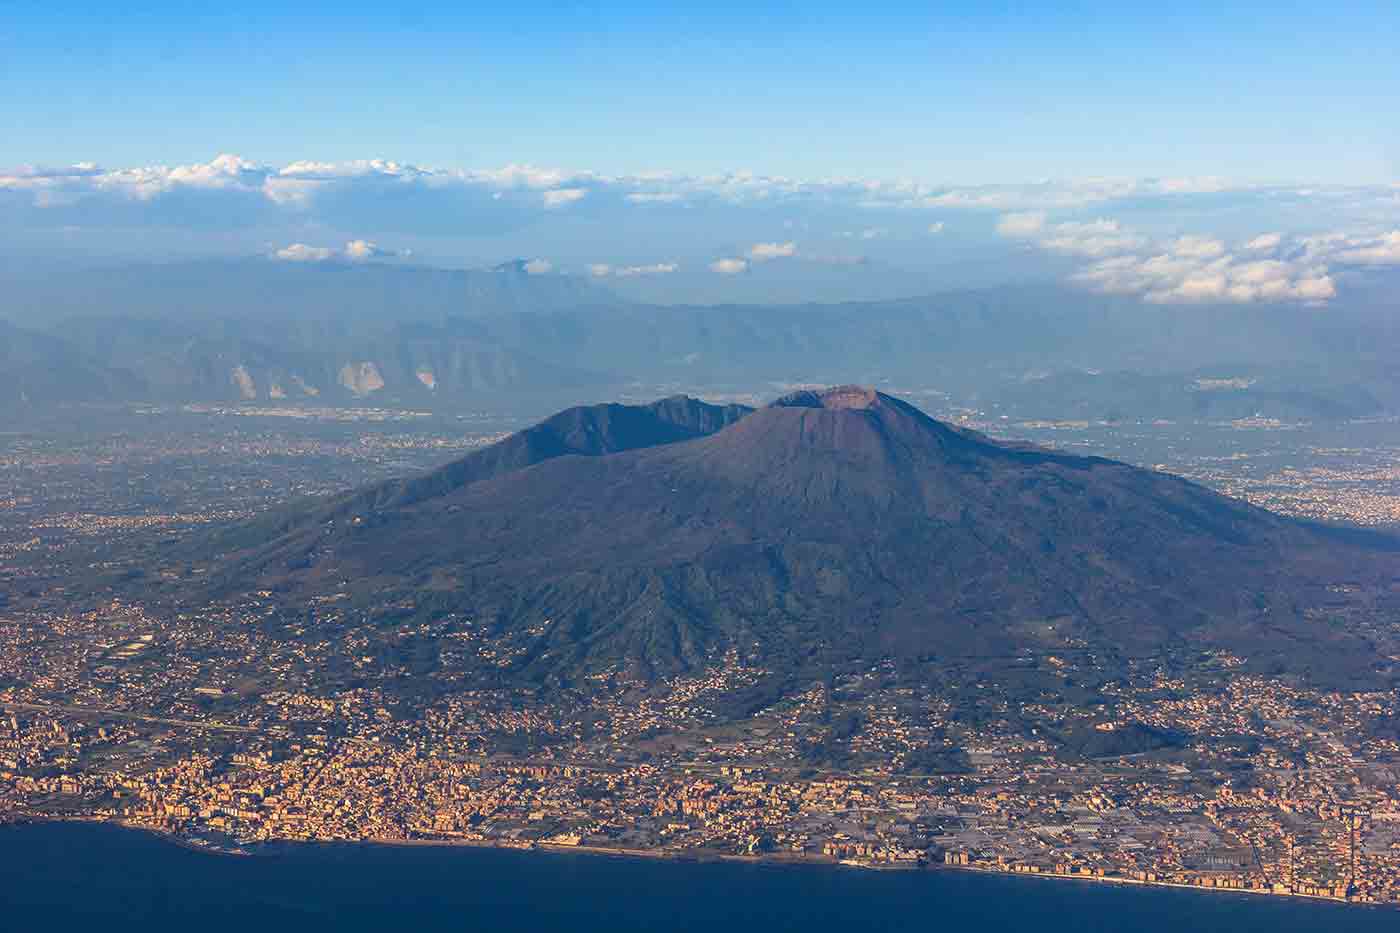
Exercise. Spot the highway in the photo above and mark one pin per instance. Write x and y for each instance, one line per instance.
(121, 714)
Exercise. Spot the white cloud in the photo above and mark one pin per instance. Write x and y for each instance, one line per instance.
(1093, 238)
(657, 268)
(1194, 275)
(358, 168)
(762, 252)
(729, 266)
(1197, 247)
(653, 197)
(1051, 195)
(383, 196)
(601, 270)
(1207, 184)
(561, 197)
(386, 200)
(363, 250)
(1190, 268)
(353, 251)
(530, 176)
(1316, 288)
(1383, 250)
(1324, 243)
(301, 184)
(223, 172)
(300, 252)
(1021, 225)
(539, 267)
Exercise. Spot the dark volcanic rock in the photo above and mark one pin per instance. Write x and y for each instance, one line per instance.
(827, 531)
(591, 431)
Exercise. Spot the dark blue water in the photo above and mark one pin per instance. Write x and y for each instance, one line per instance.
(82, 876)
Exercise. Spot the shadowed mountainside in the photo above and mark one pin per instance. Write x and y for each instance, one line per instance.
(826, 531)
(586, 430)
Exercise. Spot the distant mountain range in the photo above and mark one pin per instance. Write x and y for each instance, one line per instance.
(1296, 392)
(283, 332)
(830, 531)
(337, 334)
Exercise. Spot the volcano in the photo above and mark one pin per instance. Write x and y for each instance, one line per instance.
(829, 530)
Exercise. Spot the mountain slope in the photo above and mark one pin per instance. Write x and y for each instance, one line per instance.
(36, 368)
(258, 330)
(326, 361)
(582, 431)
(830, 529)
(346, 333)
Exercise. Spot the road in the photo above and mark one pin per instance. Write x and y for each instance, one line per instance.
(121, 714)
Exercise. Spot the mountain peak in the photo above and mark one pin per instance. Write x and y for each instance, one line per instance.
(836, 397)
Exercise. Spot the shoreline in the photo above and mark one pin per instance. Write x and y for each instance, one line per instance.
(250, 850)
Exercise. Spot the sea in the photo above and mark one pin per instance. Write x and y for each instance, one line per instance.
(81, 876)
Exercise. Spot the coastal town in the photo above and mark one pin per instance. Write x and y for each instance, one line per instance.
(1216, 779)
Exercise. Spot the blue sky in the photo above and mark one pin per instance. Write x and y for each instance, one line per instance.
(733, 152)
(958, 92)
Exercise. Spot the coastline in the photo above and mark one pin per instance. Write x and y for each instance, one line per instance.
(251, 850)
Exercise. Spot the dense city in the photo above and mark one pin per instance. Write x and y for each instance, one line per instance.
(1247, 784)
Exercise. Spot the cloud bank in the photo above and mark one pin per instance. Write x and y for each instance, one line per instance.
(1196, 268)
(729, 266)
(354, 251)
(601, 270)
(383, 195)
(1160, 238)
(762, 252)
